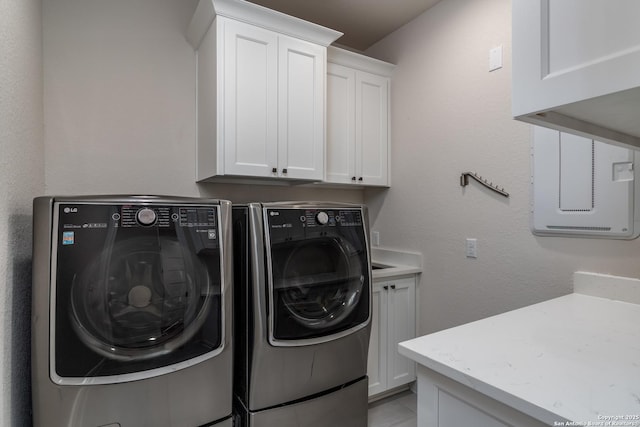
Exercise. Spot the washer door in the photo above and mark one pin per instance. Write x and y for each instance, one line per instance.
(140, 299)
(319, 288)
(134, 300)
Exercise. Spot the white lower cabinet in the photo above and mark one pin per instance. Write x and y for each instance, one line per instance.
(393, 321)
(443, 402)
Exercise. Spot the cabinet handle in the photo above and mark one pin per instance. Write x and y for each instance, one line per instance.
(274, 170)
(353, 178)
(284, 171)
(393, 287)
(360, 179)
(386, 288)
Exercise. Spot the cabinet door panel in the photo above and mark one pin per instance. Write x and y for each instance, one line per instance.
(250, 100)
(377, 359)
(372, 128)
(401, 328)
(341, 149)
(570, 50)
(453, 412)
(301, 109)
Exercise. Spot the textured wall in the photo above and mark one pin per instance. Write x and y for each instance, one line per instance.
(21, 179)
(449, 115)
(120, 103)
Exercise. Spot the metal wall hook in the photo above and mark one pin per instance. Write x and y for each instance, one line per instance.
(464, 181)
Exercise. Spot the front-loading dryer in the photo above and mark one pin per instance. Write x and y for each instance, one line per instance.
(302, 281)
(132, 313)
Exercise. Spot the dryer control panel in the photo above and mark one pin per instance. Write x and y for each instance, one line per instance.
(301, 222)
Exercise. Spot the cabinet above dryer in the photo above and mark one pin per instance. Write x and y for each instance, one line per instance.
(260, 92)
(358, 119)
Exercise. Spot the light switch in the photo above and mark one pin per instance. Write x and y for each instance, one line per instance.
(495, 58)
(472, 248)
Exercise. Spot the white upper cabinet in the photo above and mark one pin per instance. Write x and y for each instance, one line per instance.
(260, 92)
(358, 130)
(249, 133)
(301, 124)
(576, 66)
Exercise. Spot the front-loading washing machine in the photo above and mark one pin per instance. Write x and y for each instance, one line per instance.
(302, 279)
(132, 312)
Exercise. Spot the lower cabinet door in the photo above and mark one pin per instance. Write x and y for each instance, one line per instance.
(377, 361)
(393, 321)
(401, 317)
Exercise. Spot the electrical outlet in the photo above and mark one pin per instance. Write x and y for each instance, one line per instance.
(472, 248)
(375, 238)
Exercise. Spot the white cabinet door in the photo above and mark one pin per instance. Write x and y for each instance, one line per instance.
(250, 109)
(301, 109)
(401, 327)
(341, 148)
(443, 402)
(372, 128)
(575, 66)
(393, 321)
(377, 359)
(357, 119)
(453, 412)
(261, 80)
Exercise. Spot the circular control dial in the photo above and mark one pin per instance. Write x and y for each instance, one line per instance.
(146, 216)
(322, 218)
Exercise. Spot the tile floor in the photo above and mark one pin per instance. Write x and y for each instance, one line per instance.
(395, 411)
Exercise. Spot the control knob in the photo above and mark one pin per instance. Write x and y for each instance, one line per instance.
(322, 218)
(146, 216)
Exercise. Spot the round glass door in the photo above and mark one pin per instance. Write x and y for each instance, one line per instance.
(141, 298)
(318, 282)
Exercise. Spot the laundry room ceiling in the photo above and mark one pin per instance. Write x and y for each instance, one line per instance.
(363, 22)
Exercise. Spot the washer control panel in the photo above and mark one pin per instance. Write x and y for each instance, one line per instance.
(146, 216)
(322, 217)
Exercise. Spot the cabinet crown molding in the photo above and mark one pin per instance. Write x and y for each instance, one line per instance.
(358, 61)
(257, 15)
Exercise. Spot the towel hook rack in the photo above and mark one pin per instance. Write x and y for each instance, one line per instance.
(464, 181)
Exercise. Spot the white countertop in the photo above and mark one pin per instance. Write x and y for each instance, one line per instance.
(572, 358)
(395, 263)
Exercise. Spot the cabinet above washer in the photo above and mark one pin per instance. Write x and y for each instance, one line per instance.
(260, 93)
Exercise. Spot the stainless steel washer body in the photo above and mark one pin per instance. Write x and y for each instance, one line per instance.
(132, 312)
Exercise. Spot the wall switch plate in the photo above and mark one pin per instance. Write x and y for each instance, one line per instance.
(472, 248)
(495, 58)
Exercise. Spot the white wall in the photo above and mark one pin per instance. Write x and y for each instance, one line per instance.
(21, 179)
(119, 86)
(450, 115)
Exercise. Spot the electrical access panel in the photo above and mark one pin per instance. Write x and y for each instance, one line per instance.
(582, 187)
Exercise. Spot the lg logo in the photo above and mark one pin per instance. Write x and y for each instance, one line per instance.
(70, 210)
